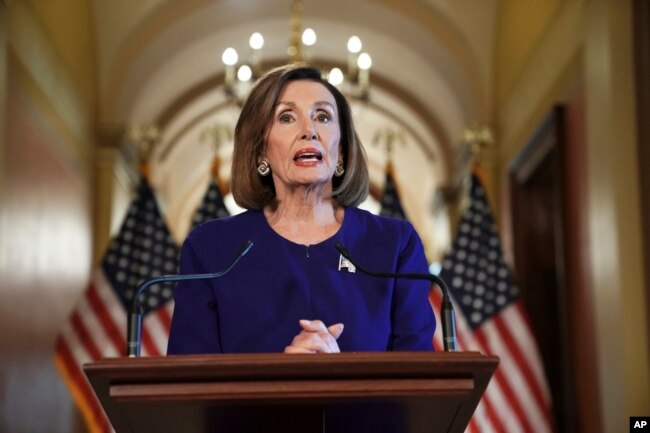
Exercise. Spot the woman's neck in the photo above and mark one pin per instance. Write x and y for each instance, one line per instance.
(303, 221)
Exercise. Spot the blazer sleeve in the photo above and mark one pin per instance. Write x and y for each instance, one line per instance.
(412, 316)
(195, 322)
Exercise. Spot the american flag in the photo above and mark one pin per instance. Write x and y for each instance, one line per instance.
(212, 206)
(491, 319)
(96, 329)
(390, 201)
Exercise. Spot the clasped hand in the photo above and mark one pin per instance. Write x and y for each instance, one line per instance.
(315, 337)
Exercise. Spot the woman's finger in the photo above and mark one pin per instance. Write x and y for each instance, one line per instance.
(321, 342)
(293, 349)
(316, 338)
(313, 325)
(336, 330)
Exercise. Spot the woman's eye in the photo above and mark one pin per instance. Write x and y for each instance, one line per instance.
(324, 117)
(284, 118)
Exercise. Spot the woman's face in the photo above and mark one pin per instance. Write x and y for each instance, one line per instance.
(302, 143)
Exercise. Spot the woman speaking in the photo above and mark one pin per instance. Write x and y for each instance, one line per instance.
(300, 171)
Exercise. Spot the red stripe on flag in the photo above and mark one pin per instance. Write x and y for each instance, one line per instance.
(165, 318)
(492, 415)
(148, 342)
(81, 383)
(499, 376)
(540, 381)
(109, 326)
(84, 337)
(523, 366)
(434, 300)
(472, 427)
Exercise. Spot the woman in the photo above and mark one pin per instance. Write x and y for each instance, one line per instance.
(300, 170)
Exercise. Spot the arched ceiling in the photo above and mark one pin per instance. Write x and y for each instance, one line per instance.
(160, 60)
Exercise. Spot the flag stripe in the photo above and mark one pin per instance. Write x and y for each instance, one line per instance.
(84, 337)
(155, 324)
(107, 325)
(491, 421)
(500, 376)
(514, 377)
(148, 345)
(113, 307)
(522, 365)
(165, 316)
(485, 418)
(497, 405)
(473, 427)
(521, 332)
(499, 409)
(80, 388)
(92, 327)
(435, 299)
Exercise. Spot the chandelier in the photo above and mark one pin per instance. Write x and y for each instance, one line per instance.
(240, 76)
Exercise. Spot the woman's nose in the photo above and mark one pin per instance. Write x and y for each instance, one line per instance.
(308, 135)
(309, 131)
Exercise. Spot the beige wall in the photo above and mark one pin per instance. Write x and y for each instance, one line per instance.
(3, 87)
(521, 27)
(615, 219)
(587, 44)
(45, 201)
(69, 27)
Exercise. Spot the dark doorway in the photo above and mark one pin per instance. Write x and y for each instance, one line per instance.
(538, 229)
(551, 260)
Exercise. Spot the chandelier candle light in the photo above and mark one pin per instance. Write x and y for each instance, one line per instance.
(355, 83)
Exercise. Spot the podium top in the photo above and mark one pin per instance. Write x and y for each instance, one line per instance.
(419, 391)
(268, 365)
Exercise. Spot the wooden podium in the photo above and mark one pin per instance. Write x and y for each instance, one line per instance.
(347, 392)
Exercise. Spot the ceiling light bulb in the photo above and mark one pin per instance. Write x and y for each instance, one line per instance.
(365, 61)
(335, 77)
(229, 56)
(354, 44)
(309, 37)
(244, 73)
(256, 41)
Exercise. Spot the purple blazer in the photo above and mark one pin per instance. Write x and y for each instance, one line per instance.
(256, 307)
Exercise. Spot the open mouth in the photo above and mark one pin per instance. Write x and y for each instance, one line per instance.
(308, 155)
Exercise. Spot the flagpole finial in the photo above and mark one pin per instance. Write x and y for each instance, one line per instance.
(218, 134)
(386, 138)
(477, 137)
(144, 137)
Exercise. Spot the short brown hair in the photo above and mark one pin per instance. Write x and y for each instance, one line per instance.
(252, 191)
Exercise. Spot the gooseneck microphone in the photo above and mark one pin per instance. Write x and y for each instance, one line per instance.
(448, 319)
(135, 315)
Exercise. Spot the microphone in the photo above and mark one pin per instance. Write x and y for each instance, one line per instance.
(134, 326)
(448, 319)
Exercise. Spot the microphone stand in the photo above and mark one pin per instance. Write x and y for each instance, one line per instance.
(448, 317)
(134, 325)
